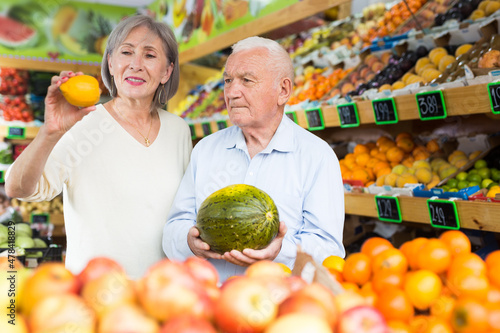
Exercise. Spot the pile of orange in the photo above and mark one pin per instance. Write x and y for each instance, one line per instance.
(374, 159)
(427, 284)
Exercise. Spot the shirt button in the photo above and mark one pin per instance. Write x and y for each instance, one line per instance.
(251, 173)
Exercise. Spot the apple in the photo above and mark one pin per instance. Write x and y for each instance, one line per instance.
(168, 290)
(347, 300)
(305, 304)
(98, 266)
(295, 283)
(203, 271)
(48, 279)
(127, 318)
(324, 297)
(299, 323)
(60, 313)
(265, 268)
(107, 291)
(277, 286)
(245, 305)
(362, 319)
(12, 265)
(187, 324)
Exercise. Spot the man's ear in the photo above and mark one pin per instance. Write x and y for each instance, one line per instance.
(286, 88)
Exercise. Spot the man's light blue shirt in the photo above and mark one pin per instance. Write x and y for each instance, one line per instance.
(297, 169)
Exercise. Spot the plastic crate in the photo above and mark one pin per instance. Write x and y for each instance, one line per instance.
(463, 194)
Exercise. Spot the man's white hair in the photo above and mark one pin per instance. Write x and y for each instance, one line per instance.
(279, 59)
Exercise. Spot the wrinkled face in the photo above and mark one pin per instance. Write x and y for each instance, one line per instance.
(250, 92)
(139, 65)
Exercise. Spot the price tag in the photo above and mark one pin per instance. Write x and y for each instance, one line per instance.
(292, 115)
(40, 218)
(2, 176)
(314, 119)
(348, 115)
(388, 208)
(443, 214)
(193, 133)
(16, 133)
(494, 93)
(385, 111)
(431, 105)
(207, 130)
(221, 124)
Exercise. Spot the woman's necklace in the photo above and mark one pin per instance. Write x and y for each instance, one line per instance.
(146, 138)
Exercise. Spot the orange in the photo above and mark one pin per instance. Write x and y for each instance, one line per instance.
(395, 154)
(383, 280)
(469, 316)
(375, 245)
(350, 286)
(419, 323)
(398, 326)
(443, 306)
(384, 147)
(494, 274)
(394, 304)
(337, 275)
(361, 148)
(362, 159)
(381, 156)
(423, 287)
(406, 144)
(379, 166)
(493, 259)
(361, 175)
(437, 325)
(456, 241)
(469, 262)
(350, 157)
(432, 146)
(357, 268)
(411, 250)
(369, 295)
(494, 317)
(372, 162)
(384, 171)
(434, 255)
(403, 135)
(392, 260)
(493, 295)
(464, 283)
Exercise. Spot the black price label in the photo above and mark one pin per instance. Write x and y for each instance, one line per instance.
(292, 115)
(193, 132)
(431, 105)
(207, 129)
(315, 119)
(221, 124)
(348, 115)
(385, 111)
(40, 218)
(16, 132)
(494, 93)
(388, 208)
(2, 176)
(443, 214)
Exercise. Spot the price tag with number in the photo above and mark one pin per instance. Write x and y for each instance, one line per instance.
(385, 111)
(2, 176)
(494, 93)
(221, 124)
(431, 105)
(207, 130)
(348, 115)
(16, 132)
(315, 119)
(193, 132)
(443, 214)
(40, 218)
(292, 115)
(388, 208)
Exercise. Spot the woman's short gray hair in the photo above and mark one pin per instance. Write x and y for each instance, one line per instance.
(279, 62)
(160, 29)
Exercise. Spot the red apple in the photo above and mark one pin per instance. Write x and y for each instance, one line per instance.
(168, 290)
(245, 305)
(187, 324)
(295, 283)
(277, 286)
(305, 304)
(347, 300)
(265, 268)
(127, 318)
(60, 313)
(362, 319)
(299, 323)
(323, 296)
(48, 279)
(203, 271)
(98, 266)
(107, 291)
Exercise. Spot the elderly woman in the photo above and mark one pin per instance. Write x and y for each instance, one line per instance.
(118, 164)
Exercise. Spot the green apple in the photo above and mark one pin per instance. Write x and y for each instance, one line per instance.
(486, 182)
(480, 164)
(461, 176)
(484, 173)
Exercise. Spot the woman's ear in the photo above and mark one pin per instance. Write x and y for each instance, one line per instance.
(109, 65)
(285, 92)
(168, 73)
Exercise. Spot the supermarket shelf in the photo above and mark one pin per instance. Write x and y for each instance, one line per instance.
(48, 66)
(472, 214)
(29, 132)
(460, 101)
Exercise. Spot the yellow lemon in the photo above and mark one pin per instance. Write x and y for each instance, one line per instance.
(334, 262)
(493, 191)
(285, 268)
(81, 90)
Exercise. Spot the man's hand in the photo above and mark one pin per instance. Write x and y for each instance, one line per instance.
(250, 256)
(199, 247)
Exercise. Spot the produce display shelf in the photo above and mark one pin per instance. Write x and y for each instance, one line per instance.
(29, 131)
(473, 214)
(459, 101)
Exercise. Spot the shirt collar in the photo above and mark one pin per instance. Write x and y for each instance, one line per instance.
(281, 141)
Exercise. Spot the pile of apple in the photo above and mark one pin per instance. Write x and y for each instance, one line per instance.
(175, 296)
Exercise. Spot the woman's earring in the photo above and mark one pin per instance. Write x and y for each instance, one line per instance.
(162, 99)
(112, 86)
